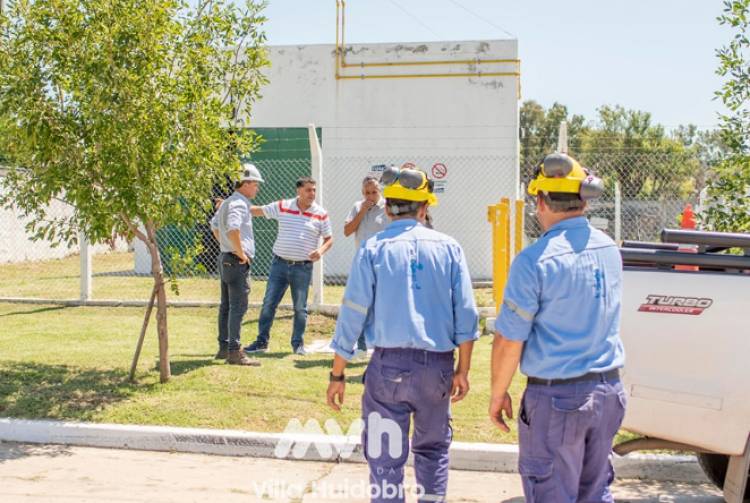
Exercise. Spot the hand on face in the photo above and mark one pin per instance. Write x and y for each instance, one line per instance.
(371, 191)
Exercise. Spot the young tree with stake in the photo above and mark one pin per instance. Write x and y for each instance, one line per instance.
(126, 109)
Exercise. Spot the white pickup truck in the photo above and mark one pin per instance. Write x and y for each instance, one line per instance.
(686, 330)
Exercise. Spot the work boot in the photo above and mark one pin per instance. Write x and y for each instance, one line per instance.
(222, 354)
(237, 357)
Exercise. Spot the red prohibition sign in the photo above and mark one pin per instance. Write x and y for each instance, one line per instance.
(439, 170)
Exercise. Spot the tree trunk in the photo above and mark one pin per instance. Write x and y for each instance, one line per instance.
(161, 304)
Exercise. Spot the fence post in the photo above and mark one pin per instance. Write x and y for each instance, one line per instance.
(618, 213)
(519, 228)
(316, 158)
(85, 254)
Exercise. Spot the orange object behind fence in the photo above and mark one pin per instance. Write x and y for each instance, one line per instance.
(688, 223)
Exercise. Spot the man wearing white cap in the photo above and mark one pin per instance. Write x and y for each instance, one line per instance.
(232, 225)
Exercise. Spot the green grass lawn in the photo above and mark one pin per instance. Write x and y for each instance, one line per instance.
(59, 279)
(72, 363)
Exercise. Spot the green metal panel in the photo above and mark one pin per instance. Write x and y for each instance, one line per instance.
(283, 157)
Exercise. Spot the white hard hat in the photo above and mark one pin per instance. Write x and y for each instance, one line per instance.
(250, 173)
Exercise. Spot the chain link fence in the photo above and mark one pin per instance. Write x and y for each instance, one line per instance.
(645, 193)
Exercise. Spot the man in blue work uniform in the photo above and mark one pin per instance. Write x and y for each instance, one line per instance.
(560, 318)
(410, 291)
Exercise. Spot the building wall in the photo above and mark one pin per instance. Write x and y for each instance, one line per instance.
(17, 246)
(469, 124)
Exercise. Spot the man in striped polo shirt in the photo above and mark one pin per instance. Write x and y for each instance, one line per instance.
(302, 224)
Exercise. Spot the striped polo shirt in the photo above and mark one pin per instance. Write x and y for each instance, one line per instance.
(299, 231)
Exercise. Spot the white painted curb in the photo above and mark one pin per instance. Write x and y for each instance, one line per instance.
(464, 456)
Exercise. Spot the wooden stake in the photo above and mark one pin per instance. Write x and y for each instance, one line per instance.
(138, 347)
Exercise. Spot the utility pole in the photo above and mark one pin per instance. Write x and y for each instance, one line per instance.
(562, 136)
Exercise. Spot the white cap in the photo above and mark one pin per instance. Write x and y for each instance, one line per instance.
(250, 173)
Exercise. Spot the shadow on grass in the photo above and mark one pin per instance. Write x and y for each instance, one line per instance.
(307, 364)
(179, 367)
(356, 379)
(36, 390)
(37, 310)
(11, 450)
(268, 355)
(288, 315)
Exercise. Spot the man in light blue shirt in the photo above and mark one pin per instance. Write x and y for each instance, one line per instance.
(410, 291)
(561, 318)
(232, 226)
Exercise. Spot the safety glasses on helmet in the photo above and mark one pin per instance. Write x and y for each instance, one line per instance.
(408, 178)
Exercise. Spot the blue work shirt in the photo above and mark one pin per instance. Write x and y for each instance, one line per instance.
(234, 214)
(409, 287)
(563, 300)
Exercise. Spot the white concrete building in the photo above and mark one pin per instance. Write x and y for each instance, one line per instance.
(449, 103)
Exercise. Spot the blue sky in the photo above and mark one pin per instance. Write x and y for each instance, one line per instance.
(657, 55)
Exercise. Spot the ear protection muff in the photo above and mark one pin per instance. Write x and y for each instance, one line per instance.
(592, 187)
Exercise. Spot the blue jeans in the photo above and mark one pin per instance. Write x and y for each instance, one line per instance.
(565, 437)
(235, 287)
(401, 386)
(283, 275)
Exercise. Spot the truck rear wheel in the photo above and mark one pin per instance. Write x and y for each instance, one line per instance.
(715, 467)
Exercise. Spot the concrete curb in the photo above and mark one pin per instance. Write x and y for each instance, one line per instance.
(464, 456)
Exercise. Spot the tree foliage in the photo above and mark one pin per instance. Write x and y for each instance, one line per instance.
(125, 109)
(728, 204)
(627, 147)
(621, 145)
(539, 131)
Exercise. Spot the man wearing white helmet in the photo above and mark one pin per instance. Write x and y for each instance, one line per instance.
(232, 225)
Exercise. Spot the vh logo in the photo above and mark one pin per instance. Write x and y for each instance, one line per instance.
(331, 443)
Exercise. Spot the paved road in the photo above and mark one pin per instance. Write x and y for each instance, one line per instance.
(33, 473)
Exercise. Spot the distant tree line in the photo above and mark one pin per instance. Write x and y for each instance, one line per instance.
(626, 146)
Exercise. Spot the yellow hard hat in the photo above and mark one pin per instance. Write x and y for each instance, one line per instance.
(408, 184)
(562, 174)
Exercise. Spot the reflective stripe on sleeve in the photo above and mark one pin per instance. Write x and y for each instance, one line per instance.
(352, 305)
(520, 312)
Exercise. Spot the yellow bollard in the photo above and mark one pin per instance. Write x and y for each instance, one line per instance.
(499, 217)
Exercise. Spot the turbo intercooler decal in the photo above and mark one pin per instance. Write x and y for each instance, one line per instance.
(672, 304)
